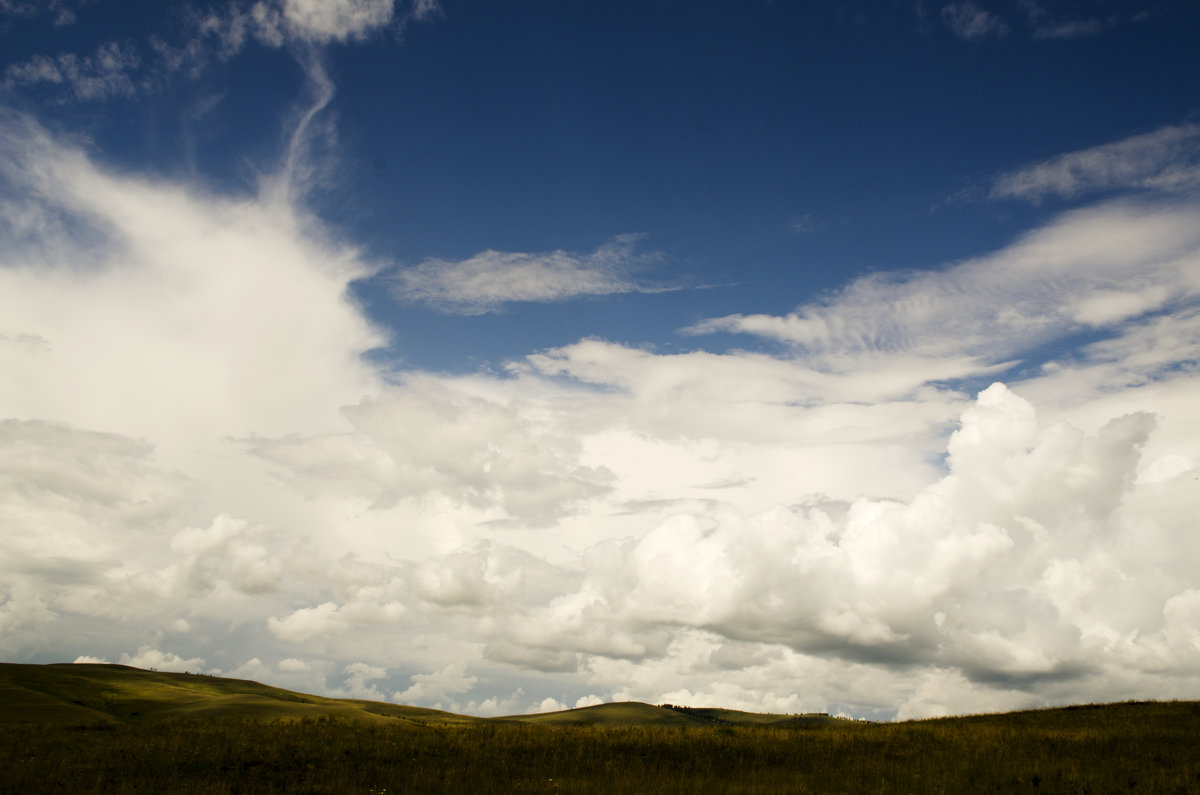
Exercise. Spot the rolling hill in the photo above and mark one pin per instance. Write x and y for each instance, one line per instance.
(86, 694)
(112, 728)
(99, 693)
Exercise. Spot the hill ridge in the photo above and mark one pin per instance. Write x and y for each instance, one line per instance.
(111, 693)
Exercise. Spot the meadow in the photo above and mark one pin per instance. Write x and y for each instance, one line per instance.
(1144, 746)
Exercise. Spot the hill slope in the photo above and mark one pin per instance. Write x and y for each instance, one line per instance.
(85, 694)
(624, 713)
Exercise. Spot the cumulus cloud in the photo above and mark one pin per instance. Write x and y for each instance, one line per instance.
(1167, 159)
(150, 657)
(337, 20)
(424, 438)
(1016, 570)
(434, 688)
(489, 280)
(359, 681)
(175, 287)
(307, 622)
(186, 466)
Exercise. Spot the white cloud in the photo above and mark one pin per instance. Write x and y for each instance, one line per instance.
(342, 20)
(150, 657)
(1068, 29)
(102, 75)
(62, 10)
(228, 551)
(515, 703)
(293, 665)
(359, 679)
(337, 20)
(205, 35)
(307, 622)
(485, 282)
(1167, 159)
(1094, 267)
(423, 437)
(433, 688)
(969, 575)
(835, 527)
(172, 301)
(969, 21)
(211, 36)
(1056, 23)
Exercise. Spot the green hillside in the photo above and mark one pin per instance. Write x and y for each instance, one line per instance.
(88, 694)
(734, 717)
(625, 713)
(115, 729)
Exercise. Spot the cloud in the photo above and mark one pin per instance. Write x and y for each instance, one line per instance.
(63, 10)
(150, 657)
(342, 20)
(1167, 159)
(1072, 29)
(139, 344)
(434, 688)
(337, 20)
(105, 74)
(1008, 570)
(205, 36)
(841, 525)
(210, 36)
(163, 288)
(969, 21)
(359, 678)
(307, 622)
(1091, 268)
(806, 224)
(1058, 22)
(228, 551)
(424, 438)
(489, 280)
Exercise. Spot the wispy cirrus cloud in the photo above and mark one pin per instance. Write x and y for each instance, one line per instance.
(490, 279)
(1069, 29)
(1058, 21)
(969, 21)
(206, 36)
(108, 72)
(63, 11)
(1089, 269)
(1167, 159)
(1050, 23)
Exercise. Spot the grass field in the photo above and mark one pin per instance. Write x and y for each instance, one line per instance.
(360, 747)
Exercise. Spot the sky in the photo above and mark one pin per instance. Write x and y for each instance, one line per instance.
(506, 357)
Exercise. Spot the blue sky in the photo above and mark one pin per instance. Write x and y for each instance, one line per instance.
(508, 356)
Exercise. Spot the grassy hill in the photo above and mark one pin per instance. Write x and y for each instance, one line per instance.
(115, 729)
(89, 694)
(624, 713)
